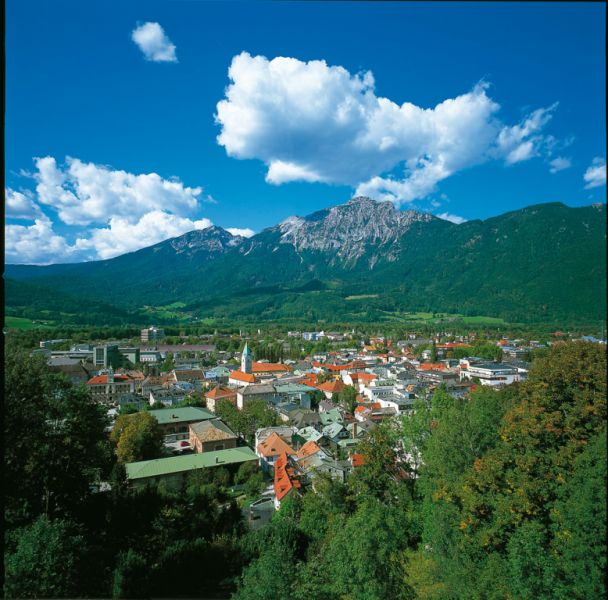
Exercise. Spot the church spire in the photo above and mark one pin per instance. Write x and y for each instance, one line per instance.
(246, 363)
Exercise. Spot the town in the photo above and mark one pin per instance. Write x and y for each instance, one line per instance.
(273, 427)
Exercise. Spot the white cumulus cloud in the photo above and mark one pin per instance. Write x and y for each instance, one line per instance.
(109, 212)
(84, 193)
(595, 175)
(37, 244)
(154, 43)
(559, 164)
(308, 121)
(246, 232)
(21, 205)
(452, 218)
(122, 236)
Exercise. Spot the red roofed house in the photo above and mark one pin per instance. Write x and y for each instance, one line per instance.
(261, 369)
(241, 379)
(270, 449)
(108, 388)
(329, 388)
(358, 380)
(220, 393)
(285, 479)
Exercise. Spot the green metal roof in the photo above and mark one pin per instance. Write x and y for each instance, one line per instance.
(179, 415)
(188, 462)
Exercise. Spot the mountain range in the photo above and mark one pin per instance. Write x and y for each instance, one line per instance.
(363, 260)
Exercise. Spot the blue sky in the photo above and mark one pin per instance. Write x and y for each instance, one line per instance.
(505, 108)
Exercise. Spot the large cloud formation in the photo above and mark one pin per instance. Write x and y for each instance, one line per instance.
(308, 121)
(108, 212)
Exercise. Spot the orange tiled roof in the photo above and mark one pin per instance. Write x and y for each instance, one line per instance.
(361, 409)
(332, 387)
(284, 479)
(258, 367)
(241, 376)
(432, 367)
(103, 379)
(274, 445)
(220, 392)
(363, 376)
(308, 449)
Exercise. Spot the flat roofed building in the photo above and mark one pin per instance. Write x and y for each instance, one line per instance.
(173, 470)
(177, 420)
(489, 373)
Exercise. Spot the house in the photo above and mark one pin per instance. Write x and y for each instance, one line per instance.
(309, 434)
(294, 392)
(270, 449)
(72, 368)
(489, 373)
(241, 379)
(331, 388)
(284, 431)
(220, 393)
(176, 421)
(166, 397)
(211, 436)
(260, 391)
(302, 417)
(108, 387)
(335, 432)
(264, 370)
(331, 416)
(173, 470)
(194, 376)
(287, 479)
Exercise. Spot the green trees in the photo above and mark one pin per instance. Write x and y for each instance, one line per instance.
(255, 414)
(496, 506)
(44, 559)
(347, 398)
(55, 441)
(137, 437)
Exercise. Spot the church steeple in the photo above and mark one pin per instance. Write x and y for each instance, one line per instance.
(246, 362)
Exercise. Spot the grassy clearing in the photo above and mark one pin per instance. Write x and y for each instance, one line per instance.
(483, 321)
(361, 296)
(23, 323)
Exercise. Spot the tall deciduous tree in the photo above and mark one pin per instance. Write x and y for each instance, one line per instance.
(137, 437)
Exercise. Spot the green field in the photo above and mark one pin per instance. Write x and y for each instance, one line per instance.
(361, 296)
(23, 323)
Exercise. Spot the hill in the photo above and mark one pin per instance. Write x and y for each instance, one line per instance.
(361, 260)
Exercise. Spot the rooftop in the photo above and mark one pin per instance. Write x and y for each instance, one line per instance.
(188, 462)
(181, 415)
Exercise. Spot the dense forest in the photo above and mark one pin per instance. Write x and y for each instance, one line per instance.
(498, 496)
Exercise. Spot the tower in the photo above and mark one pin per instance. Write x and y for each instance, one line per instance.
(246, 366)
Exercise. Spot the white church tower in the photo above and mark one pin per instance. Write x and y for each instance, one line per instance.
(246, 363)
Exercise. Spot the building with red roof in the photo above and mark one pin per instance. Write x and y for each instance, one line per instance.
(329, 388)
(109, 387)
(218, 393)
(270, 449)
(286, 479)
(239, 378)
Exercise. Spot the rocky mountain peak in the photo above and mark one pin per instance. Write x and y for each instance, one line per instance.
(213, 239)
(348, 231)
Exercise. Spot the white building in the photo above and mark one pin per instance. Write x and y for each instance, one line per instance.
(494, 374)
